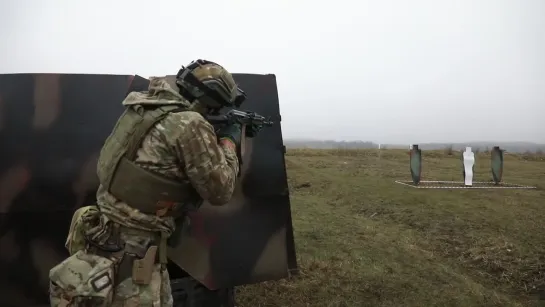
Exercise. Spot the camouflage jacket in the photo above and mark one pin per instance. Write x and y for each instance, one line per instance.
(182, 146)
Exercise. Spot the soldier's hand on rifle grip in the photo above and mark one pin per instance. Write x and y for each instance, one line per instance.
(233, 132)
(253, 130)
(240, 152)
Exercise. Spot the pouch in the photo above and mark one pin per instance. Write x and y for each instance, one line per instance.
(75, 240)
(142, 269)
(82, 280)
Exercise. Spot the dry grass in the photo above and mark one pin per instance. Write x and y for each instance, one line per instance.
(364, 241)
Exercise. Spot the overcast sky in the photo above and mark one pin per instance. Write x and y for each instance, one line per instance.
(385, 71)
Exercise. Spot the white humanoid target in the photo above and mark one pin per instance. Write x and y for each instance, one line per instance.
(469, 162)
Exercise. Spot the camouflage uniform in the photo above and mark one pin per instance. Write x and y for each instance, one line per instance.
(182, 147)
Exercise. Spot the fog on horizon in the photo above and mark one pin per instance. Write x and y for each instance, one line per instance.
(383, 71)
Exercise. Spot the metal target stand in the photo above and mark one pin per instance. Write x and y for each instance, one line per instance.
(497, 170)
(439, 184)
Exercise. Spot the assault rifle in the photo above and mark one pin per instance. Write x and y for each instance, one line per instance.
(251, 122)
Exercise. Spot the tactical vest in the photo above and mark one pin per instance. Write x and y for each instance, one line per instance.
(149, 192)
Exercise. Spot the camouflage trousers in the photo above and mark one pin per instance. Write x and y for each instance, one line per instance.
(156, 294)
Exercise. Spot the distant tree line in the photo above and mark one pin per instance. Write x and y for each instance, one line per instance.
(329, 144)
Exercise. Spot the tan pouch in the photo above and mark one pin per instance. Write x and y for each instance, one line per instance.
(142, 269)
(82, 280)
(75, 240)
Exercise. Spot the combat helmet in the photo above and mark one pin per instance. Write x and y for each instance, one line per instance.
(210, 84)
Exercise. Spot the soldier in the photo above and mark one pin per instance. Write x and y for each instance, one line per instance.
(161, 160)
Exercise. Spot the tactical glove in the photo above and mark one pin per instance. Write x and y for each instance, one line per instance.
(232, 132)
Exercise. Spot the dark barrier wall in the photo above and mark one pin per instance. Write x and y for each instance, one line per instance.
(51, 129)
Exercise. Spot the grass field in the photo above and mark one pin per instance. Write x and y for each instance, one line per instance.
(363, 240)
